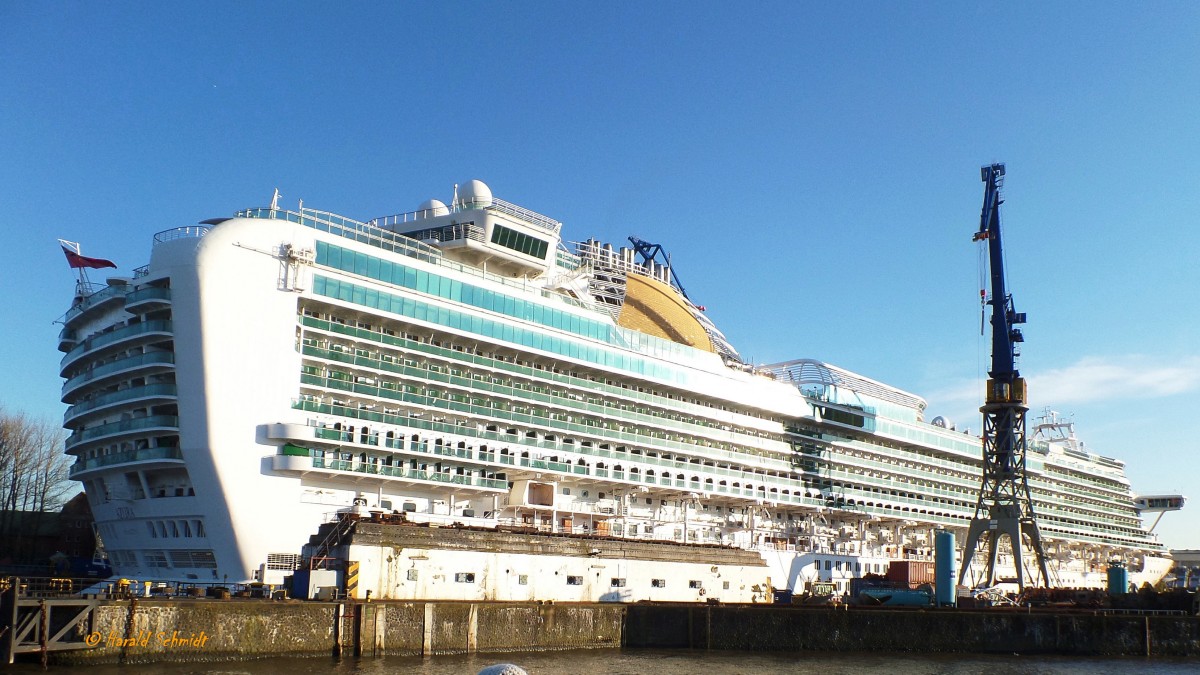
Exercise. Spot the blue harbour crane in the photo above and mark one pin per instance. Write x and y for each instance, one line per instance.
(1005, 507)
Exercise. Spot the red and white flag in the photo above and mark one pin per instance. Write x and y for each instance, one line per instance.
(77, 261)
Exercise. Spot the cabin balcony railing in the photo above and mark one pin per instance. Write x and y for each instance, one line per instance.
(451, 452)
(148, 297)
(102, 296)
(144, 455)
(470, 431)
(104, 339)
(66, 338)
(147, 359)
(133, 393)
(169, 422)
(383, 470)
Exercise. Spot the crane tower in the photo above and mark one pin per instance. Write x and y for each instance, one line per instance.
(1004, 506)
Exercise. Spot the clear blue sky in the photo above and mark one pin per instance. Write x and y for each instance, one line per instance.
(813, 169)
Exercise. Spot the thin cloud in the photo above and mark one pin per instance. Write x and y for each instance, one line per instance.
(1111, 378)
(958, 402)
(1089, 380)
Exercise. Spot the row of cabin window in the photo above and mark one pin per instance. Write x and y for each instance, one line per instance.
(572, 580)
(175, 529)
(837, 564)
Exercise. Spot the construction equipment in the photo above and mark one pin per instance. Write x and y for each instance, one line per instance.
(1005, 506)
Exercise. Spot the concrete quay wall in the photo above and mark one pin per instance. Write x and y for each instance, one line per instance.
(158, 631)
(796, 629)
(152, 631)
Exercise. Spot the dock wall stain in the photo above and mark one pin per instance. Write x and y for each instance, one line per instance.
(150, 631)
(777, 628)
(132, 631)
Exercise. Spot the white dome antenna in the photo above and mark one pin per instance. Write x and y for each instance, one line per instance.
(474, 195)
(431, 208)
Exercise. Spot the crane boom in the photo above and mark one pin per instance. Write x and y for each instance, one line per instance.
(1004, 335)
(1006, 387)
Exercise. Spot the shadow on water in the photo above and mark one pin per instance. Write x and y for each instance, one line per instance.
(667, 662)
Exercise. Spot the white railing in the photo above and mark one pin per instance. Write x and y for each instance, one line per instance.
(531, 217)
(499, 205)
(187, 232)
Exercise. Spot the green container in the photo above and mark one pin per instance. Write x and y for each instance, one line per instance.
(1118, 578)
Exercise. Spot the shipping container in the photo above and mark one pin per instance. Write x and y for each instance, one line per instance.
(911, 573)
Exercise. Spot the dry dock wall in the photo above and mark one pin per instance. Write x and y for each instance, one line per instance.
(155, 631)
(151, 631)
(795, 629)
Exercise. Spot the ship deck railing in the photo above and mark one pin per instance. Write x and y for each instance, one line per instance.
(695, 486)
(583, 404)
(499, 205)
(372, 235)
(94, 296)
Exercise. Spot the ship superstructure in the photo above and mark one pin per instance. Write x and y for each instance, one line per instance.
(463, 365)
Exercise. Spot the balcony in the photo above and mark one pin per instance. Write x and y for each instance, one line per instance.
(66, 339)
(109, 295)
(148, 299)
(133, 334)
(146, 364)
(147, 395)
(115, 430)
(288, 462)
(165, 456)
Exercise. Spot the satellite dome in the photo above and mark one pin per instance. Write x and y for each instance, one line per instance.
(431, 208)
(475, 195)
(942, 422)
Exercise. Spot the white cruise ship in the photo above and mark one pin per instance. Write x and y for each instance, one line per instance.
(462, 365)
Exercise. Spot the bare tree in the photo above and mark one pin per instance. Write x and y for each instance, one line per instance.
(34, 476)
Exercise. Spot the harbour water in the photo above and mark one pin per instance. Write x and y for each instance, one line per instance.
(671, 662)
